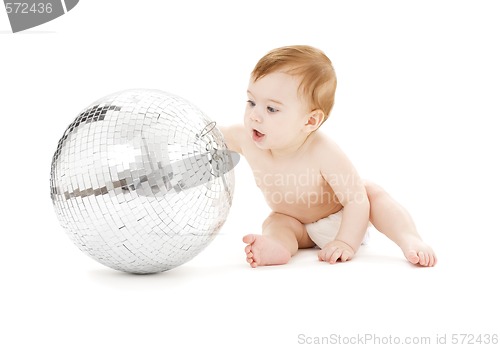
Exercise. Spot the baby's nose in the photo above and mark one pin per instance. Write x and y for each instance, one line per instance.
(254, 116)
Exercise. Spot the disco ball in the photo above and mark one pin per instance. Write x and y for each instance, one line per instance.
(142, 181)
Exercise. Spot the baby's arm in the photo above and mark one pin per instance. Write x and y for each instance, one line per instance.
(233, 136)
(349, 189)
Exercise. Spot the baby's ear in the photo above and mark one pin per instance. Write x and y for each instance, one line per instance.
(314, 120)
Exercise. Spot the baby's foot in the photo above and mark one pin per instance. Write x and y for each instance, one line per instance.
(418, 252)
(264, 251)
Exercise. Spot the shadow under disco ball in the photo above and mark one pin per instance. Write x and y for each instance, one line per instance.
(142, 181)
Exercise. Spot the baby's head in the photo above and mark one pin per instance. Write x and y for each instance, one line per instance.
(308, 64)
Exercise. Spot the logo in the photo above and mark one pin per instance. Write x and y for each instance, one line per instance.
(28, 14)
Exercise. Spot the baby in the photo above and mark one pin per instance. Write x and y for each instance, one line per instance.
(316, 196)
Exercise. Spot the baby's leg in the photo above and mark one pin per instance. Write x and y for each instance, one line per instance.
(390, 218)
(281, 236)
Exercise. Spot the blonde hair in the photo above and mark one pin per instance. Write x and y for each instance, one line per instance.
(312, 66)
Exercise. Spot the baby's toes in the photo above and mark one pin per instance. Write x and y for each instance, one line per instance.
(424, 258)
(248, 251)
(413, 257)
(433, 260)
(251, 261)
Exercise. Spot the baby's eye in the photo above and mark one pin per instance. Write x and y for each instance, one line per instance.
(251, 103)
(271, 109)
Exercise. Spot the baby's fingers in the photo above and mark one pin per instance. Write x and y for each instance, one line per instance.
(335, 256)
(325, 254)
(346, 256)
(322, 255)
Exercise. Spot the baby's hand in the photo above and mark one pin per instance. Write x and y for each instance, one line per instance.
(334, 251)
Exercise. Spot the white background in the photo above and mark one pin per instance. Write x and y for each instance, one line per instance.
(417, 110)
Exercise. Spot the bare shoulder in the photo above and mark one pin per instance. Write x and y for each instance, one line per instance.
(328, 154)
(233, 136)
(322, 146)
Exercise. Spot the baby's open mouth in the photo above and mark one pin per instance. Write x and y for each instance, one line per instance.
(257, 135)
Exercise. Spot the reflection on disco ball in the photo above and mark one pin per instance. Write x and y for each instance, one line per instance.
(142, 181)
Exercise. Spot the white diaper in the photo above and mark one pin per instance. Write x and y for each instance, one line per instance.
(325, 230)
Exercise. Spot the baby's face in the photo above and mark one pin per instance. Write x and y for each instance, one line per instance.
(275, 114)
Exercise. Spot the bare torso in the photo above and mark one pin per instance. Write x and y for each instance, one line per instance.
(293, 185)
